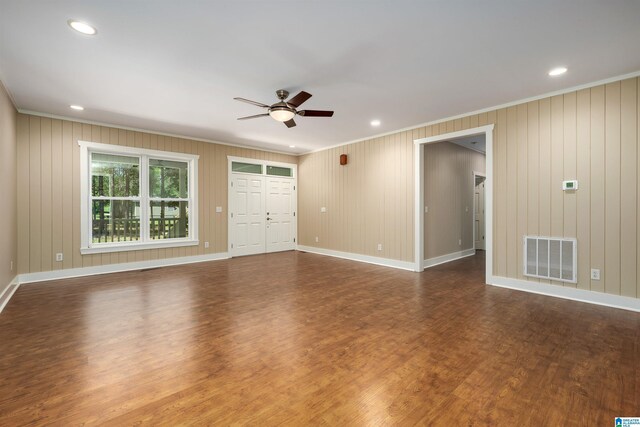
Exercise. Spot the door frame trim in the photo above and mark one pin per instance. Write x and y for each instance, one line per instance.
(264, 163)
(473, 220)
(418, 215)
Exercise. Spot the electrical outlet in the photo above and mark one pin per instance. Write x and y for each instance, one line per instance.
(595, 274)
(466, 208)
(426, 209)
(379, 246)
(11, 269)
(459, 242)
(317, 239)
(206, 245)
(218, 209)
(59, 257)
(323, 209)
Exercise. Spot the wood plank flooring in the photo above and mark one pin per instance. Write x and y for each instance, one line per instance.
(301, 339)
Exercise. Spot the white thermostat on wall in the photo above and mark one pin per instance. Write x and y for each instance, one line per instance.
(570, 185)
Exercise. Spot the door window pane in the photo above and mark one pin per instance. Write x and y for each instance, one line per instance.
(168, 179)
(279, 171)
(114, 176)
(115, 221)
(246, 167)
(168, 220)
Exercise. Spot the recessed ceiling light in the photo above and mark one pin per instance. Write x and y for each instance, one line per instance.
(375, 122)
(558, 71)
(292, 146)
(76, 107)
(81, 27)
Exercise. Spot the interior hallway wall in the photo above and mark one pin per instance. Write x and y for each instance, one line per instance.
(448, 195)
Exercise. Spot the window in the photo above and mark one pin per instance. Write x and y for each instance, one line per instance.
(246, 167)
(278, 171)
(136, 199)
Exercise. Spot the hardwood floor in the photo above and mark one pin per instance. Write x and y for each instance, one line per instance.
(299, 339)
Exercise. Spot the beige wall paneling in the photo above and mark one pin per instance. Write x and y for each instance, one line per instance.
(583, 195)
(500, 188)
(22, 129)
(512, 192)
(612, 189)
(533, 171)
(570, 167)
(46, 229)
(57, 186)
(628, 186)
(67, 194)
(544, 187)
(597, 186)
(522, 182)
(557, 167)
(35, 202)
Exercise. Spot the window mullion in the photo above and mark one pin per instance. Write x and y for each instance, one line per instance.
(144, 196)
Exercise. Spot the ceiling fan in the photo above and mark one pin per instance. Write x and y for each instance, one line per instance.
(285, 111)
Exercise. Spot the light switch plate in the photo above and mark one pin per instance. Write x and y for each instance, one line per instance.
(323, 209)
(218, 209)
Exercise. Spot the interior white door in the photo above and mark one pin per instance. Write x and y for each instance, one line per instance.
(479, 213)
(280, 203)
(247, 215)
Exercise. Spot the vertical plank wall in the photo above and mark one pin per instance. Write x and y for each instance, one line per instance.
(49, 191)
(449, 194)
(590, 135)
(8, 212)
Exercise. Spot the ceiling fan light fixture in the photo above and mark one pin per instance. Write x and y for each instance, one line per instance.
(281, 114)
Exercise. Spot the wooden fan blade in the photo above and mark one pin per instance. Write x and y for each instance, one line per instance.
(299, 99)
(253, 117)
(248, 101)
(290, 123)
(315, 113)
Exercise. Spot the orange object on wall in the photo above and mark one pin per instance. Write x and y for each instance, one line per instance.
(343, 159)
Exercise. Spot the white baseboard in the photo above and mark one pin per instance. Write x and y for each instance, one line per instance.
(394, 263)
(447, 258)
(591, 297)
(114, 268)
(8, 292)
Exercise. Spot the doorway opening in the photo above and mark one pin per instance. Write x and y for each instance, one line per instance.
(262, 206)
(421, 209)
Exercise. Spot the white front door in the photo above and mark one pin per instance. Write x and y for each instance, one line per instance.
(479, 213)
(262, 207)
(280, 214)
(247, 219)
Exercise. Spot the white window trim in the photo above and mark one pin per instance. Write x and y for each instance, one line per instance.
(86, 246)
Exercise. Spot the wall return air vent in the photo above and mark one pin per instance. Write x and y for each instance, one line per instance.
(551, 258)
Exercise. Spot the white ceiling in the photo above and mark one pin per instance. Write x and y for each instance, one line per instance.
(175, 66)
